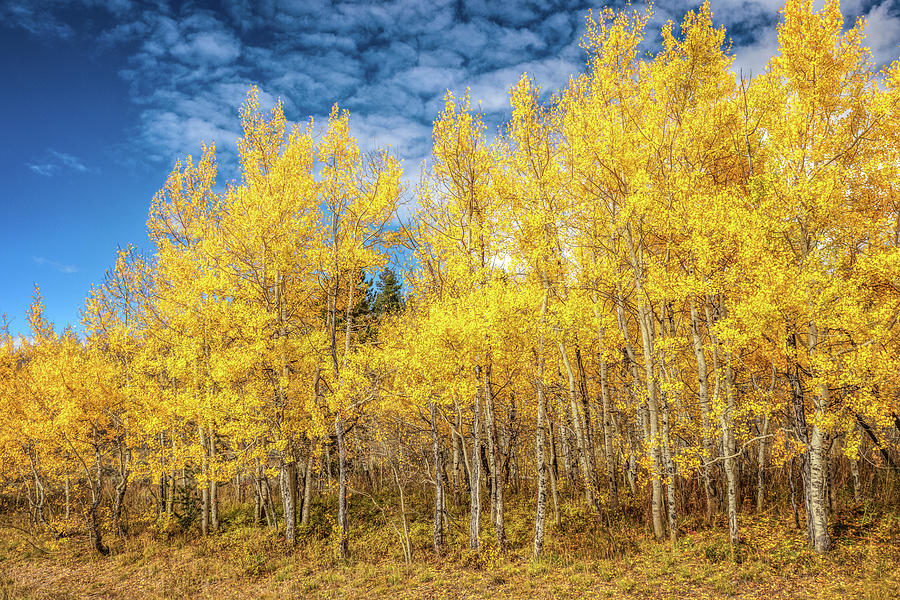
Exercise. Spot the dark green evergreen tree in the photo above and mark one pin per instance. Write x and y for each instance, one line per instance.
(363, 299)
(388, 293)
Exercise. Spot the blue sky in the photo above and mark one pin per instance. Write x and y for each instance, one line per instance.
(100, 98)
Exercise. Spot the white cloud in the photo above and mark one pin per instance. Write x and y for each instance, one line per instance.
(61, 267)
(325, 40)
(751, 60)
(428, 81)
(207, 48)
(69, 161)
(35, 19)
(189, 68)
(177, 134)
(405, 136)
(883, 31)
(56, 162)
(491, 90)
(44, 170)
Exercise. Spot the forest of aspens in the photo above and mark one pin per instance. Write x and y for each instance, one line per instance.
(641, 341)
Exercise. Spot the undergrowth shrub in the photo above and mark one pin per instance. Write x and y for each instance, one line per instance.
(253, 550)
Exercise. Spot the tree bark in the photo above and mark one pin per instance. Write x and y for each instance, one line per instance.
(553, 464)
(494, 450)
(730, 454)
(96, 490)
(584, 458)
(213, 483)
(652, 439)
(653, 408)
(456, 452)
(344, 544)
(712, 500)
(288, 482)
(258, 507)
(307, 485)
(671, 473)
(818, 461)
(438, 484)
(121, 488)
(204, 486)
(814, 463)
(726, 420)
(475, 478)
(588, 414)
(541, 435)
(271, 515)
(607, 436)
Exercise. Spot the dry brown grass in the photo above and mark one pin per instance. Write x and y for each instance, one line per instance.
(246, 562)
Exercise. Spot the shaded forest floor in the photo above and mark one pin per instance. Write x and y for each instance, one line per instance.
(250, 562)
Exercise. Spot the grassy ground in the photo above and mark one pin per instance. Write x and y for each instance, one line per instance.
(249, 562)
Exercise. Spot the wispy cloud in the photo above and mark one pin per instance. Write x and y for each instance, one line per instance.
(69, 161)
(389, 63)
(61, 267)
(44, 169)
(35, 18)
(56, 162)
(188, 67)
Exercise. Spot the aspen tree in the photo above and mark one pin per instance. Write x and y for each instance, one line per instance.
(360, 196)
(463, 202)
(268, 226)
(823, 79)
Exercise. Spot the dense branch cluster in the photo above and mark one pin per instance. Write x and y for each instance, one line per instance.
(668, 283)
